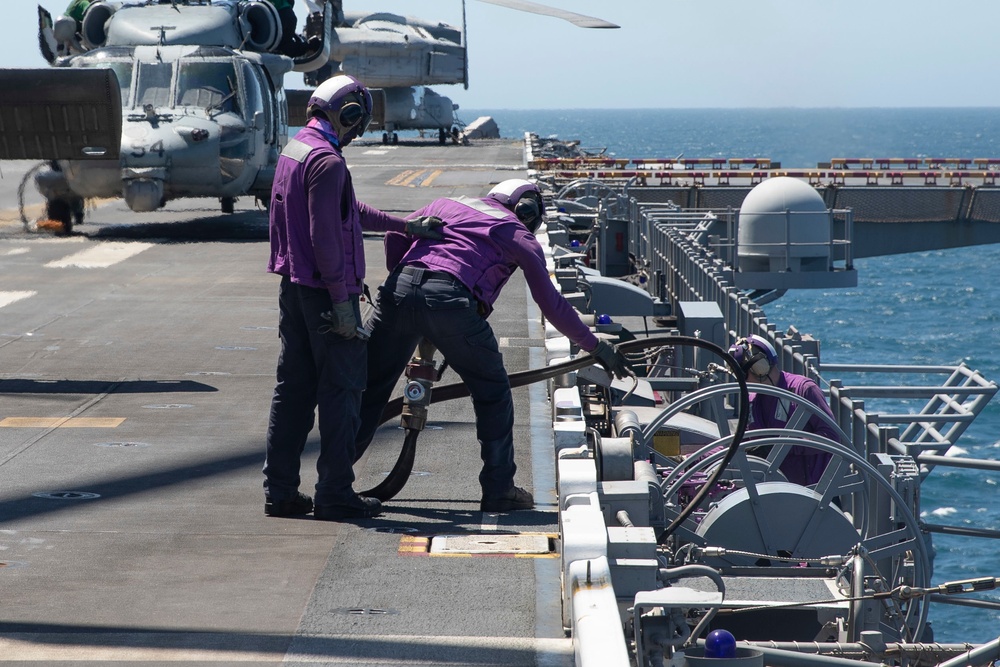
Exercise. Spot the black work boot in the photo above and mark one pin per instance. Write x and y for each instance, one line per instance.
(300, 504)
(515, 499)
(358, 507)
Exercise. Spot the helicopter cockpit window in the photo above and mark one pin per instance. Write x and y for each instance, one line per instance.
(154, 84)
(121, 68)
(208, 85)
(255, 99)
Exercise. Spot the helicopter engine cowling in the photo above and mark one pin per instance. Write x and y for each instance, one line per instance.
(94, 29)
(260, 26)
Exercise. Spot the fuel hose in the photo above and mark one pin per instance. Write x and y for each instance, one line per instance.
(400, 473)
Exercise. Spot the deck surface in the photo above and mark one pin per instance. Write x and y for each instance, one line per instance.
(137, 362)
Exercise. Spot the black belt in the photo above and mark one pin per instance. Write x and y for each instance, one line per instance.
(420, 272)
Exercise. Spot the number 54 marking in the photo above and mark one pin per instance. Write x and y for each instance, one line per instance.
(140, 151)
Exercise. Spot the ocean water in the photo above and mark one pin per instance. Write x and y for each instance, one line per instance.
(939, 307)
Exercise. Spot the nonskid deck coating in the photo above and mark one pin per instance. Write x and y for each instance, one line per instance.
(173, 560)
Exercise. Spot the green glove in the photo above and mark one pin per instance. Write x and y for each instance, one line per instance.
(613, 361)
(342, 320)
(427, 227)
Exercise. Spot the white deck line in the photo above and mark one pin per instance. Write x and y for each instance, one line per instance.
(100, 256)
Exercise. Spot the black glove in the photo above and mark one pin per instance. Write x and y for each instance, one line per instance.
(427, 227)
(613, 361)
(342, 320)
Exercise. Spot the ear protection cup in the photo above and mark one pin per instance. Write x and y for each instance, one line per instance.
(753, 358)
(527, 211)
(757, 363)
(350, 114)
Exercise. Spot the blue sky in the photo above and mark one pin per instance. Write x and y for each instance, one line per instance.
(693, 53)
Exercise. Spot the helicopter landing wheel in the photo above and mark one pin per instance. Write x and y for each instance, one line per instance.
(78, 211)
(395, 138)
(442, 136)
(385, 137)
(228, 204)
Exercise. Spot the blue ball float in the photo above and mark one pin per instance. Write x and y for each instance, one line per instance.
(720, 644)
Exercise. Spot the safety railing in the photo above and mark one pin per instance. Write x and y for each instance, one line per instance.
(689, 255)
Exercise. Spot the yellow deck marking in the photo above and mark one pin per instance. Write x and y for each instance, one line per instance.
(430, 179)
(408, 182)
(61, 422)
(416, 546)
(413, 178)
(399, 178)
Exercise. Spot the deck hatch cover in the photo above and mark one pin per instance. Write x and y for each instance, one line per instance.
(490, 544)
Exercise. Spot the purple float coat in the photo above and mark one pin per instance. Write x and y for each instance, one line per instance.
(483, 245)
(803, 465)
(316, 221)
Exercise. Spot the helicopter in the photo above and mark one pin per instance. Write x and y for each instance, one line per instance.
(154, 100)
(404, 55)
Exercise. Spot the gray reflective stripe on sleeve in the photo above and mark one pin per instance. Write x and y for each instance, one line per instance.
(482, 207)
(297, 150)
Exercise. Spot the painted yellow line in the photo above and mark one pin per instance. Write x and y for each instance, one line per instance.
(412, 178)
(408, 182)
(409, 544)
(61, 422)
(398, 178)
(430, 179)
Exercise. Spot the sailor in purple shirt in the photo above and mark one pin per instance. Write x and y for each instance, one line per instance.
(444, 291)
(317, 248)
(759, 361)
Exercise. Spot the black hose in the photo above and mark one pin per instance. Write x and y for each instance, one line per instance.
(400, 473)
(396, 479)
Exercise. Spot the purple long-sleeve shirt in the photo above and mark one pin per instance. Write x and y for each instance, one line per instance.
(483, 245)
(803, 465)
(316, 221)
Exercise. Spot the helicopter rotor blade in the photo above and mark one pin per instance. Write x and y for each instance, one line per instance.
(535, 8)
